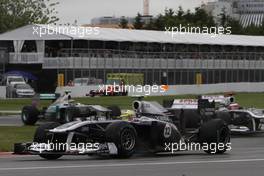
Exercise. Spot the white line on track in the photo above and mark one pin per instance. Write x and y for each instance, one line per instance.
(130, 164)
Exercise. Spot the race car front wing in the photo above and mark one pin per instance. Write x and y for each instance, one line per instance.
(42, 148)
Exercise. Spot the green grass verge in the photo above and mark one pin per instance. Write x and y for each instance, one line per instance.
(11, 135)
(245, 99)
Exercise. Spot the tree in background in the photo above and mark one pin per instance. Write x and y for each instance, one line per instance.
(223, 17)
(198, 18)
(172, 18)
(202, 19)
(138, 24)
(123, 23)
(18, 13)
(254, 30)
(236, 27)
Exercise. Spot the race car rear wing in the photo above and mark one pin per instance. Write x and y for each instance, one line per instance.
(221, 99)
(195, 104)
(202, 102)
(215, 98)
(184, 104)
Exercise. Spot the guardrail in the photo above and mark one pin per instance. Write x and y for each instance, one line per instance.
(148, 63)
(26, 58)
(114, 59)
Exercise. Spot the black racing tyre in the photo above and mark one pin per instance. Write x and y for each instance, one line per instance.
(41, 136)
(124, 136)
(115, 111)
(225, 116)
(192, 118)
(215, 132)
(29, 115)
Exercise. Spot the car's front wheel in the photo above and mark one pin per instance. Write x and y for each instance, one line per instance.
(42, 136)
(124, 136)
(215, 134)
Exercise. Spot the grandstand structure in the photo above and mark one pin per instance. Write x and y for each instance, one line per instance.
(161, 57)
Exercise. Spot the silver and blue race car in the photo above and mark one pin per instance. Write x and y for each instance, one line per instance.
(64, 109)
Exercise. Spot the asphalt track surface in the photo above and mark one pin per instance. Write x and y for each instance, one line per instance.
(13, 120)
(10, 120)
(245, 158)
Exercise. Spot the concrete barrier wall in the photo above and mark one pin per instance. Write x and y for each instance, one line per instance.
(81, 91)
(77, 91)
(2, 92)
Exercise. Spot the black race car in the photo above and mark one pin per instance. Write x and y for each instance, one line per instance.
(153, 129)
(240, 120)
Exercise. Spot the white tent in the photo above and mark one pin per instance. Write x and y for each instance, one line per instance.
(49, 32)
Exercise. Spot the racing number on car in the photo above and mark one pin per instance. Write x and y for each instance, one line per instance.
(167, 131)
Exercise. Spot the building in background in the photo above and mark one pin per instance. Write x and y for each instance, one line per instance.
(114, 22)
(246, 11)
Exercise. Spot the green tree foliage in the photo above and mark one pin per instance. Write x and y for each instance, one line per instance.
(236, 27)
(254, 30)
(17, 13)
(224, 18)
(172, 18)
(123, 23)
(138, 24)
(198, 18)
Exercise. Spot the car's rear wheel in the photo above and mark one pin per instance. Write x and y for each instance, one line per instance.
(124, 136)
(41, 136)
(215, 134)
(225, 116)
(29, 115)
